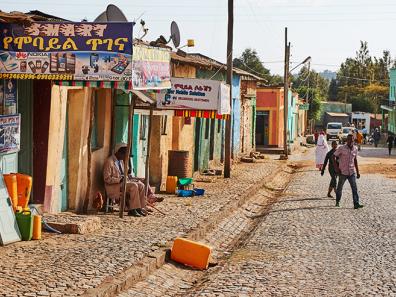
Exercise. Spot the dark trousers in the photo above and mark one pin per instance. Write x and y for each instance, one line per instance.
(390, 149)
(352, 181)
(333, 181)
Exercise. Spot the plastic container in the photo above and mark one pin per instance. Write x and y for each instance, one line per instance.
(199, 192)
(185, 181)
(36, 227)
(185, 193)
(11, 184)
(191, 253)
(24, 186)
(171, 183)
(25, 224)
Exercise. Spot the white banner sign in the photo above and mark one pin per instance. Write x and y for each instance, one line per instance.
(196, 94)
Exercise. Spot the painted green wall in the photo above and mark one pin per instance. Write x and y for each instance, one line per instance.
(217, 138)
(121, 112)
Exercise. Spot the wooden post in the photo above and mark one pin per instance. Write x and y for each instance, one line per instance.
(89, 150)
(227, 149)
(128, 154)
(113, 104)
(286, 95)
(147, 167)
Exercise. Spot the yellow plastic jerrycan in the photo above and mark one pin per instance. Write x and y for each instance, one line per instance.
(171, 183)
(10, 181)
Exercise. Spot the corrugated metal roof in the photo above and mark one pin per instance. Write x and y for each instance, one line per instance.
(206, 62)
(26, 18)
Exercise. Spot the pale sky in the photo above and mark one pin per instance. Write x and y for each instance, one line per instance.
(327, 30)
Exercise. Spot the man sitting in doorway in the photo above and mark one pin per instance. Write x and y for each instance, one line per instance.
(113, 174)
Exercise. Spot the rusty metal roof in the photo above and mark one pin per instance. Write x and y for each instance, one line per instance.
(203, 61)
(26, 18)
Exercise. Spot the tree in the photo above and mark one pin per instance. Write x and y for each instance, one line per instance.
(333, 90)
(363, 80)
(250, 62)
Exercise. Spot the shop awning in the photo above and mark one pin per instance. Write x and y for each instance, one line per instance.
(206, 114)
(122, 85)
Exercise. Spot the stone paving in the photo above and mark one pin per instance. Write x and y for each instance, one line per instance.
(174, 279)
(69, 265)
(306, 246)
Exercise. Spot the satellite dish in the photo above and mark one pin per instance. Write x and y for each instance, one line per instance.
(114, 14)
(102, 17)
(175, 34)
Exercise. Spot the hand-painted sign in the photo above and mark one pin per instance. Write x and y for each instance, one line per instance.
(197, 94)
(151, 68)
(10, 133)
(66, 51)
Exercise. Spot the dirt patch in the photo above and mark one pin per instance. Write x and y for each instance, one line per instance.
(389, 170)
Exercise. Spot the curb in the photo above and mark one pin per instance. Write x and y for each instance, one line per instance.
(112, 286)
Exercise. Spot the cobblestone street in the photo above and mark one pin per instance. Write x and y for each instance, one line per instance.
(306, 246)
(72, 264)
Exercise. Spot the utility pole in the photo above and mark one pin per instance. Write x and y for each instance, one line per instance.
(227, 150)
(286, 95)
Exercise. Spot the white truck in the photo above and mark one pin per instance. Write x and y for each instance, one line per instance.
(333, 130)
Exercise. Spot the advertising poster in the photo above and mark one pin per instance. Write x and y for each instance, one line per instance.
(66, 51)
(196, 94)
(10, 96)
(1, 96)
(151, 68)
(10, 133)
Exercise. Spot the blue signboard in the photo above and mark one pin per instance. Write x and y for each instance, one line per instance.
(67, 51)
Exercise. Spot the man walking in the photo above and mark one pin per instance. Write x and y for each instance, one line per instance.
(348, 169)
(390, 141)
(333, 174)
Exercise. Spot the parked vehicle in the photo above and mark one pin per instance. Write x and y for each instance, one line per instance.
(333, 130)
(344, 133)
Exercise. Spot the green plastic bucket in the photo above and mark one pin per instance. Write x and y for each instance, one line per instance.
(25, 224)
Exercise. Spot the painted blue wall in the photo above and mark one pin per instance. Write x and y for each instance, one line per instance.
(236, 114)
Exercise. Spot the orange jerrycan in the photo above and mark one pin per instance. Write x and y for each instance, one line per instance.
(171, 183)
(191, 253)
(11, 184)
(24, 186)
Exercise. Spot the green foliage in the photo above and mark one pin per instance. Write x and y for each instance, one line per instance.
(364, 104)
(314, 109)
(363, 80)
(250, 62)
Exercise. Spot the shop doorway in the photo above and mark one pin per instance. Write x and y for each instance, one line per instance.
(262, 128)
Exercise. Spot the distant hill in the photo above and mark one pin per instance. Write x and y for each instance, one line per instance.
(327, 74)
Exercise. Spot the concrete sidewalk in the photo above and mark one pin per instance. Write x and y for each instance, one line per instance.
(125, 250)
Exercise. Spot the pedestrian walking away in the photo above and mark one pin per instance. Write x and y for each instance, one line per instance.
(359, 139)
(364, 132)
(376, 137)
(391, 139)
(348, 169)
(321, 150)
(332, 172)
